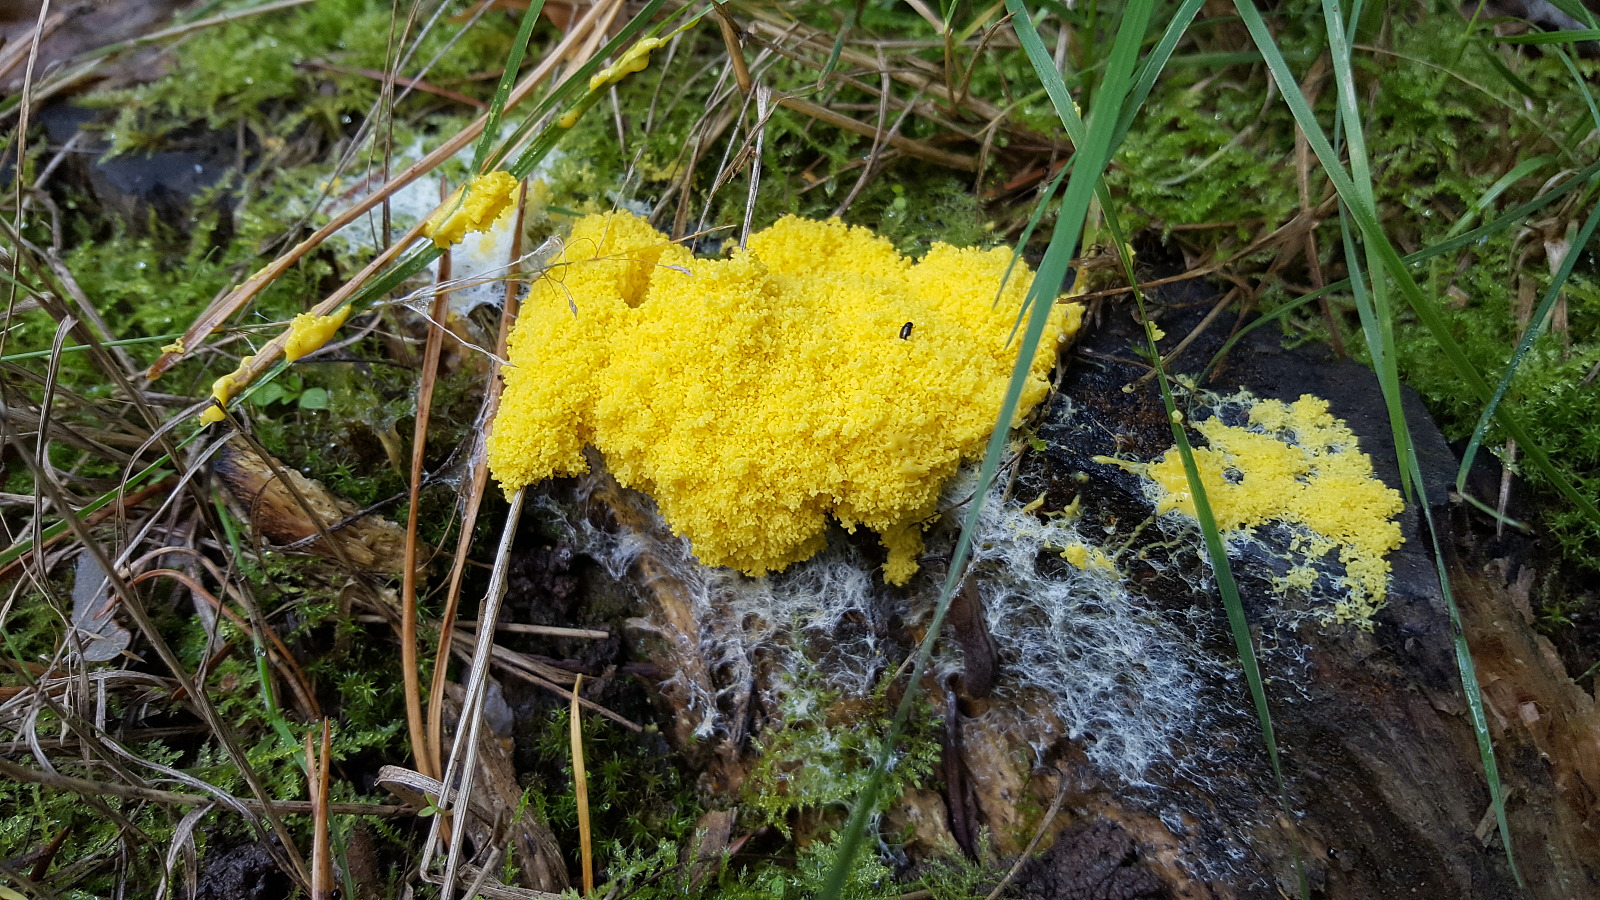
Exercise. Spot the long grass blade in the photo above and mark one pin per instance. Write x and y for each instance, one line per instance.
(1094, 154)
(1363, 211)
(1469, 684)
(1216, 554)
(1377, 317)
(580, 790)
(1372, 232)
(1586, 178)
(508, 80)
(1535, 328)
(1056, 88)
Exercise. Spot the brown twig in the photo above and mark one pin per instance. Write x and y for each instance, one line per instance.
(580, 785)
(416, 84)
(415, 724)
(322, 882)
(1038, 835)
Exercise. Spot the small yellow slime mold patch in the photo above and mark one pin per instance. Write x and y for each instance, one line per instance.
(487, 198)
(754, 397)
(1087, 558)
(1297, 464)
(307, 333)
(223, 389)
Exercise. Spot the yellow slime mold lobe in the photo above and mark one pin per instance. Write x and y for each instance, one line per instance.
(487, 198)
(759, 396)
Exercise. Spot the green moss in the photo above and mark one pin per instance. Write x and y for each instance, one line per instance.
(820, 758)
(271, 74)
(1194, 158)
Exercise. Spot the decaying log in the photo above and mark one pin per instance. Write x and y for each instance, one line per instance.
(1385, 792)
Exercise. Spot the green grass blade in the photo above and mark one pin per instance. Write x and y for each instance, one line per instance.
(1581, 87)
(1553, 37)
(1217, 555)
(570, 85)
(1039, 209)
(50, 532)
(845, 28)
(1518, 172)
(1578, 11)
(1588, 177)
(1365, 215)
(1534, 329)
(1469, 683)
(1378, 320)
(1094, 154)
(1372, 232)
(1055, 87)
(508, 80)
(1155, 63)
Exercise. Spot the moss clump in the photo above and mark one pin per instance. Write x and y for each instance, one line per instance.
(282, 73)
(819, 760)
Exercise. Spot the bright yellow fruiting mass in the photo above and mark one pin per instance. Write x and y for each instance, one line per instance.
(817, 373)
(1297, 464)
(307, 333)
(223, 389)
(487, 197)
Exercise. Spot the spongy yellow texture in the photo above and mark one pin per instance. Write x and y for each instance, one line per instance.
(1300, 465)
(817, 373)
(308, 333)
(487, 197)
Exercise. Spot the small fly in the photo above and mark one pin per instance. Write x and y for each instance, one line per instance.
(905, 332)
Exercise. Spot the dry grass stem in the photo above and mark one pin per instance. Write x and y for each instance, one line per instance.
(322, 880)
(432, 349)
(580, 783)
(546, 630)
(92, 789)
(477, 481)
(550, 678)
(461, 768)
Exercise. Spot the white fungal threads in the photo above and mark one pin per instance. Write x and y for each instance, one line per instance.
(1118, 677)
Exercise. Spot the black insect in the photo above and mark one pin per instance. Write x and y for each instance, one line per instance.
(905, 332)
